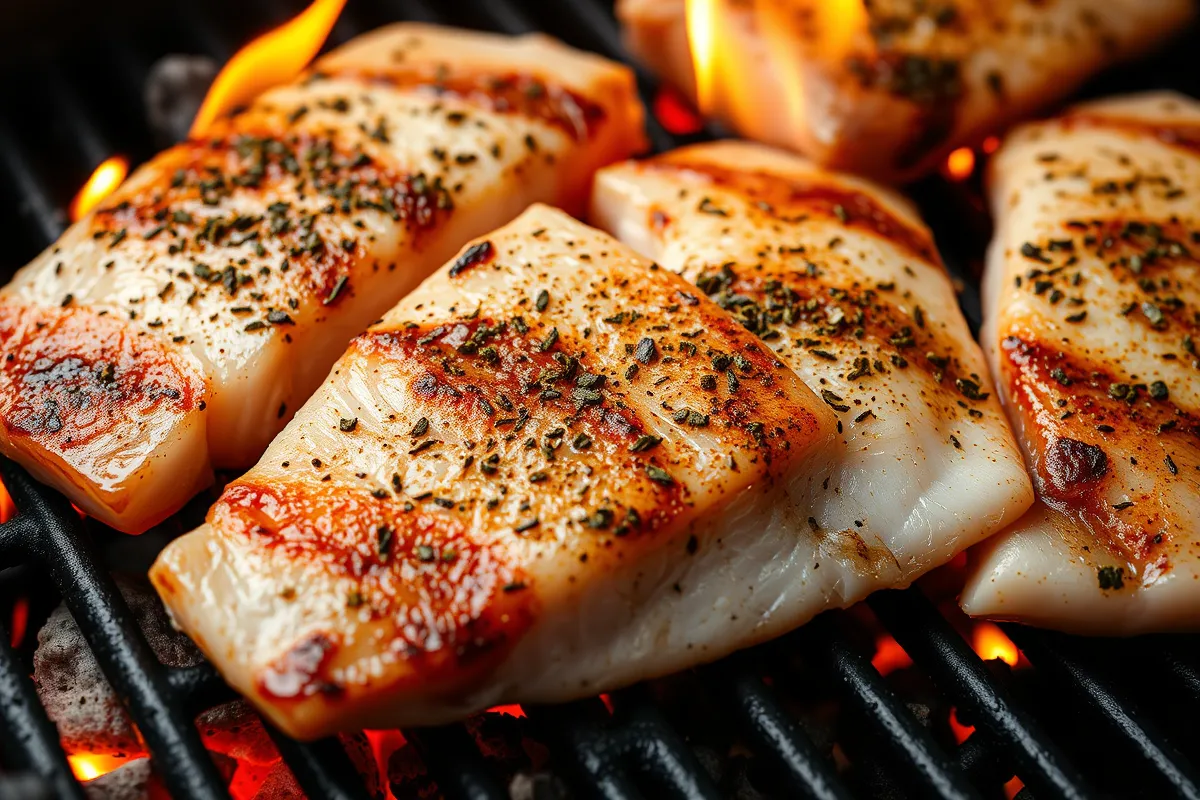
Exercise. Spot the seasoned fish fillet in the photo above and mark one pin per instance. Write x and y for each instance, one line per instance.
(1093, 304)
(842, 280)
(888, 87)
(551, 470)
(178, 327)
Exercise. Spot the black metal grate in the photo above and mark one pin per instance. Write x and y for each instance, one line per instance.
(1090, 718)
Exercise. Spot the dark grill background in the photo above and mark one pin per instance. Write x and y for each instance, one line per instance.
(1090, 718)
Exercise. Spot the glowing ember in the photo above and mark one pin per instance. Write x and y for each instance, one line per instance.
(991, 643)
(7, 509)
(20, 621)
(960, 731)
(87, 766)
(960, 164)
(104, 181)
(248, 778)
(1013, 786)
(889, 656)
(607, 702)
(675, 114)
(383, 744)
(991, 144)
(510, 710)
(273, 58)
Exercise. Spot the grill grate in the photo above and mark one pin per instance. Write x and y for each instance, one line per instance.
(642, 748)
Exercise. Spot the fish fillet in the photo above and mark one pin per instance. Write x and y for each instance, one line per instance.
(551, 470)
(1093, 314)
(887, 87)
(842, 280)
(177, 327)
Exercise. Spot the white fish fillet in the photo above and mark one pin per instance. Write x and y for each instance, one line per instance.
(549, 471)
(888, 87)
(1093, 308)
(178, 327)
(842, 280)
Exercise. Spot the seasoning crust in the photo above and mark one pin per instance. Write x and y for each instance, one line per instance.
(1093, 306)
(547, 415)
(262, 247)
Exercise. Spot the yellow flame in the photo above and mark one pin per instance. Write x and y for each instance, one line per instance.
(842, 20)
(701, 18)
(88, 766)
(991, 643)
(273, 58)
(763, 97)
(103, 182)
(960, 163)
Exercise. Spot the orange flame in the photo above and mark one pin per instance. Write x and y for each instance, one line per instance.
(701, 19)
(88, 766)
(273, 58)
(103, 182)
(730, 85)
(889, 656)
(990, 643)
(960, 164)
(7, 507)
(960, 731)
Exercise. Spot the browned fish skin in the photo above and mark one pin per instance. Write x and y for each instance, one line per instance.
(1093, 320)
(254, 253)
(546, 427)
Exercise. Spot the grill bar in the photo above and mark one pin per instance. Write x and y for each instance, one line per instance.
(36, 204)
(770, 729)
(321, 768)
(1062, 659)
(911, 747)
(125, 658)
(28, 739)
(456, 765)
(930, 640)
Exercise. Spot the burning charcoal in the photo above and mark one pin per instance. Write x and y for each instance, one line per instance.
(133, 780)
(279, 785)
(407, 775)
(236, 731)
(537, 786)
(174, 91)
(358, 748)
(69, 682)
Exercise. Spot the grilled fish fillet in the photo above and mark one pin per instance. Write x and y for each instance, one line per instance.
(551, 470)
(178, 327)
(888, 87)
(842, 280)
(1093, 304)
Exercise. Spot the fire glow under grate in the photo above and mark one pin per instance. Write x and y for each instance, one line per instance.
(890, 700)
